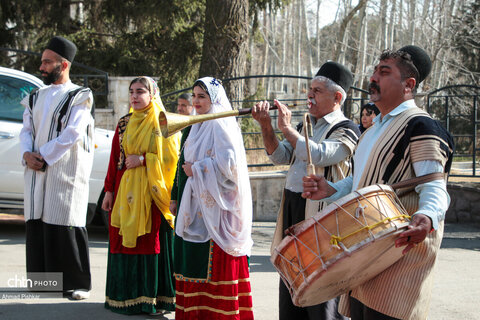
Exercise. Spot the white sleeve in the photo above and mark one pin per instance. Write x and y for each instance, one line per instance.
(324, 154)
(283, 153)
(25, 136)
(434, 198)
(26, 141)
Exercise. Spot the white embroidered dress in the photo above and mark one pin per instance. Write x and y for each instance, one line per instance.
(217, 202)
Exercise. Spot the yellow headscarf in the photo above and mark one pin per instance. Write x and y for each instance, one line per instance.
(139, 186)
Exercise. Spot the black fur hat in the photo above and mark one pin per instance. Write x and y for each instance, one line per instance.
(63, 47)
(420, 59)
(337, 73)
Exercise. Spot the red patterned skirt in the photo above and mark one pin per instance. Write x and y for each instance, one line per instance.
(225, 294)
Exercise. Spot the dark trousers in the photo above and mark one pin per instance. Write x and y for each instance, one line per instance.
(294, 212)
(52, 248)
(359, 311)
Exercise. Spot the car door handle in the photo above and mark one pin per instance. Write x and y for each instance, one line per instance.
(6, 135)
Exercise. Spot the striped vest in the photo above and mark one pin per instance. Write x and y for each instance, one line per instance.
(59, 195)
(403, 290)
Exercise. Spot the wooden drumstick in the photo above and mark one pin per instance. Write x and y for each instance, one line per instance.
(307, 129)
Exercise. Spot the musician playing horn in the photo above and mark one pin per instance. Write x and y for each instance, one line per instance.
(403, 143)
(331, 146)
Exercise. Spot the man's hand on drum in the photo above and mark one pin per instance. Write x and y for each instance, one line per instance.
(418, 229)
(316, 187)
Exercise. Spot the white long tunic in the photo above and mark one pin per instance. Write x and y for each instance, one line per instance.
(60, 194)
(217, 200)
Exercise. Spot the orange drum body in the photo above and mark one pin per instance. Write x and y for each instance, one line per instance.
(349, 242)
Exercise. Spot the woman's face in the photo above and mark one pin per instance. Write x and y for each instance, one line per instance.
(367, 118)
(201, 100)
(139, 96)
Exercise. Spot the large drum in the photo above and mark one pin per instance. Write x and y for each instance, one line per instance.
(349, 242)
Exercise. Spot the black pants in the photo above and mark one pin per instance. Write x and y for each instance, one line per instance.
(359, 311)
(52, 248)
(294, 212)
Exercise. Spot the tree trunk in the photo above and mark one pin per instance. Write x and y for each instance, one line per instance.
(274, 59)
(317, 33)
(411, 21)
(308, 45)
(285, 20)
(383, 24)
(343, 27)
(298, 35)
(391, 32)
(249, 84)
(364, 76)
(265, 47)
(225, 42)
(400, 15)
(358, 62)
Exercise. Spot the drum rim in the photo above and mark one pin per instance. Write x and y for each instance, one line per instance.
(358, 247)
(351, 196)
(356, 250)
(397, 229)
(307, 223)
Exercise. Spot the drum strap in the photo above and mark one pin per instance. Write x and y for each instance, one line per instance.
(412, 183)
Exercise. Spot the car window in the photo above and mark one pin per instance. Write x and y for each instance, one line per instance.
(12, 91)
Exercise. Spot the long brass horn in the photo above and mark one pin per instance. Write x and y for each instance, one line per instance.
(171, 123)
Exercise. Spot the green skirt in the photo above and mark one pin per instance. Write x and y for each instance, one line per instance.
(142, 283)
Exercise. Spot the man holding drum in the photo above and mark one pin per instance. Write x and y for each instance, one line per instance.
(331, 147)
(404, 142)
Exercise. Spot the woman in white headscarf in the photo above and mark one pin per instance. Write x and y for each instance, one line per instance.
(213, 226)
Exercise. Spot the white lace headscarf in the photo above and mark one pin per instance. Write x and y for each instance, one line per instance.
(217, 202)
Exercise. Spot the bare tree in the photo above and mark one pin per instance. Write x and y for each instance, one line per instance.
(283, 61)
(411, 20)
(383, 24)
(359, 35)
(400, 14)
(306, 40)
(359, 58)
(424, 17)
(317, 32)
(298, 40)
(265, 33)
(343, 27)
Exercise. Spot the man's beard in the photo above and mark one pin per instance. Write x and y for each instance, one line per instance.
(53, 76)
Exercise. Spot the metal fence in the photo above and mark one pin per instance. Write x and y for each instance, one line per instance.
(456, 107)
(288, 89)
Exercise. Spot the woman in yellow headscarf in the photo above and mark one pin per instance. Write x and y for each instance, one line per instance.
(138, 185)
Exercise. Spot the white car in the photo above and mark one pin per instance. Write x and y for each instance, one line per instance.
(14, 86)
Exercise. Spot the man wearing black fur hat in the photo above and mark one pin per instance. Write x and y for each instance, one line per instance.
(57, 147)
(331, 147)
(404, 142)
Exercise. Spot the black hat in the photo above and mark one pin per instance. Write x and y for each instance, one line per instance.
(337, 73)
(63, 47)
(420, 60)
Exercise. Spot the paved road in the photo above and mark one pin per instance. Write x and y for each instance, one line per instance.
(455, 293)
